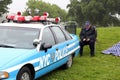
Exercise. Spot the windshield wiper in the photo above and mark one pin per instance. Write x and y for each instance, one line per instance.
(7, 46)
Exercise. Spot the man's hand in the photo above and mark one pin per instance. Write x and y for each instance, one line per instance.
(84, 39)
(88, 39)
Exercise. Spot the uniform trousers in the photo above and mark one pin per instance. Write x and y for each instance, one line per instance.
(91, 46)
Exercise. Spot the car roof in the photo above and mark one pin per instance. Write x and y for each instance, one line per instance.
(28, 25)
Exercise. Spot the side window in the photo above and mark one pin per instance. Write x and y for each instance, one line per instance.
(67, 34)
(48, 37)
(59, 34)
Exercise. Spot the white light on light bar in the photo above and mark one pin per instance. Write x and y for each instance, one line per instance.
(56, 20)
(43, 18)
(28, 18)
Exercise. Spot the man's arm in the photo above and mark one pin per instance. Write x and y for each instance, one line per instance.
(81, 35)
(93, 36)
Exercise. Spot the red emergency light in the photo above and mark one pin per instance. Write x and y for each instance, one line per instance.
(57, 20)
(46, 14)
(54, 20)
(36, 18)
(10, 16)
(19, 13)
(21, 19)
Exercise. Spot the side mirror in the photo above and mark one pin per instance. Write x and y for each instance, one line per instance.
(46, 46)
(36, 42)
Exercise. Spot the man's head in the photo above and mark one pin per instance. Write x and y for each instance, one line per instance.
(87, 25)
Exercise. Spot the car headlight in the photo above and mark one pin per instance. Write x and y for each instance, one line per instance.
(4, 74)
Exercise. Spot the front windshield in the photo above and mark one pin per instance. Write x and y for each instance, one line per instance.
(17, 37)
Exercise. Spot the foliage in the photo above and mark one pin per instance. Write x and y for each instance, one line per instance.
(53, 10)
(4, 6)
(100, 67)
(99, 12)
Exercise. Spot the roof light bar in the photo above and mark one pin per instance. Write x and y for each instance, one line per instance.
(44, 18)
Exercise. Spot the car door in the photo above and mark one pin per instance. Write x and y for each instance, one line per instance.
(53, 36)
(61, 45)
(47, 52)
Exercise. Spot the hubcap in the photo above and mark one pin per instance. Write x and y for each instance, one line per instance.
(25, 76)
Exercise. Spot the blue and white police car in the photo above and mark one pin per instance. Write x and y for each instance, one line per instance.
(30, 50)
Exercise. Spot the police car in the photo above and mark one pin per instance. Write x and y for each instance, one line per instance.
(30, 50)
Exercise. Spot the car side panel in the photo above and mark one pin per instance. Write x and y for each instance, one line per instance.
(58, 55)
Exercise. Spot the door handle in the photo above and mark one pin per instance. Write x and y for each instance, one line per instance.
(67, 44)
(56, 49)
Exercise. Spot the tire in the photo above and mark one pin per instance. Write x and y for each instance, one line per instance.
(24, 74)
(68, 64)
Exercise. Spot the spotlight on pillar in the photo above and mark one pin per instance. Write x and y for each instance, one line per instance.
(29, 11)
(36, 11)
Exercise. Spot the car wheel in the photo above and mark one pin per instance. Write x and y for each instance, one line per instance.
(68, 64)
(24, 74)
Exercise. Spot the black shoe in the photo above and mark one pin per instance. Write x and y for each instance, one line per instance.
(81, 55)
(92, 55)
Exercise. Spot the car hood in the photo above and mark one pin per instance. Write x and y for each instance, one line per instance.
(8, 55)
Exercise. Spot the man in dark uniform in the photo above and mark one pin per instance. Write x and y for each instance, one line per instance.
(88, 36)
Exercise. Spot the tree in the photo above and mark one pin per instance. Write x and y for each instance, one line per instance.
(98, 12)
(53, 10)
(4, 6)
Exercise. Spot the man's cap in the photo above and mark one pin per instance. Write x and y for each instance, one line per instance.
(87, 23)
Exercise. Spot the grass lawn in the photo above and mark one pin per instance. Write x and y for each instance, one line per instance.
(100, 67)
